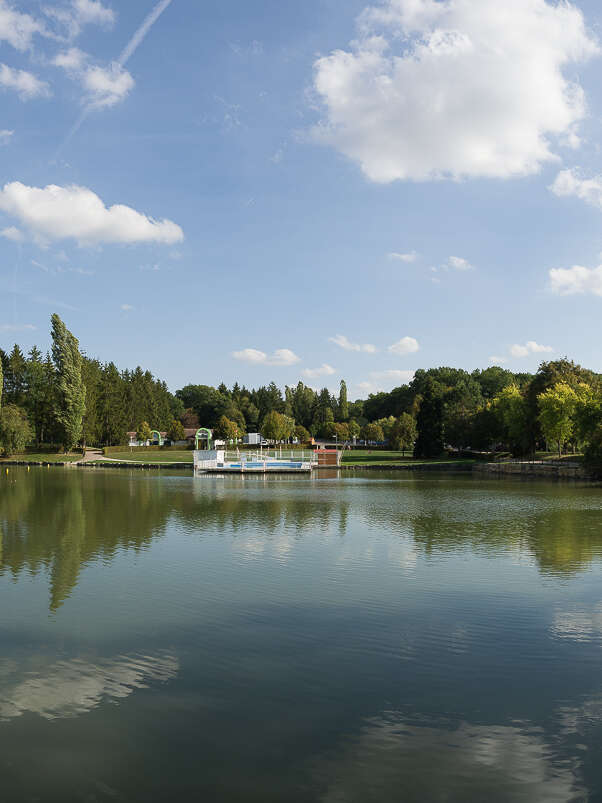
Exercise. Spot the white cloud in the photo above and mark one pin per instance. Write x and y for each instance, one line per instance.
(25, 83)
(407, 345)
(569, 183)
(13, 234)
(71, 60)
(15, 327)
(530, 347)
(104, 86)
(394, 375)
(93, 12)
(126, 307)
(72, 212)
(107, 86)
(5, 136)
(343, 342)
(498, 360)
(576, 280)
(455, 89)
(81, 13)
(411, 257)
(458, 263)
(16, 28)
(281, 357)
(323, 370)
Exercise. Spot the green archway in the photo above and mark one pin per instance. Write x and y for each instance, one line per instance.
(203, 435)
(158, 434)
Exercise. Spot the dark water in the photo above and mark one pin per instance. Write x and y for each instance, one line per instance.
(374, 638)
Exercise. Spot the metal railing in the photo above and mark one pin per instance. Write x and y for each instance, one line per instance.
(259, 455)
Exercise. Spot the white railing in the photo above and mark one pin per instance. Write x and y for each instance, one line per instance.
(258, 456)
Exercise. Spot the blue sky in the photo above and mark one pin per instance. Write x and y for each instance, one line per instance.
(305, 191)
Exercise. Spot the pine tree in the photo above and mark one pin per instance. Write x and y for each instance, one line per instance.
(14, 377)
(71, 391)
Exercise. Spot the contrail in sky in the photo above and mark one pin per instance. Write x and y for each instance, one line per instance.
(123, 59)
(140, 34)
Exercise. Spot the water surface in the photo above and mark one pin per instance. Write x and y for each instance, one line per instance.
(376, 637)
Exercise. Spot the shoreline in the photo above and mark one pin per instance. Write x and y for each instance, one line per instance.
(485, 470)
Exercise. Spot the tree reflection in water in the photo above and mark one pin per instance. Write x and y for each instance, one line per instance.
(59, 521)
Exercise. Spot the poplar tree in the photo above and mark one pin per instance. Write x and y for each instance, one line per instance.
(71, 391)
(343, 403)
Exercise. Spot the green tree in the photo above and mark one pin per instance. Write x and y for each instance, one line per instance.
(144, 432)
(354, 429)
(588, 412)
(113, 410)
(341, 431)
(343, 403)
(302, 400)
(548, 375)
(226, 429)
(71, 391)
(207, 402)
(302, 434)
(277, 427)
(557, 407)
(403, 432)
(386, 424)
(176, 431)
(15, 430)
(512, 410)
(493, 380)
(373, 432)
(429, 423)
(15, 377)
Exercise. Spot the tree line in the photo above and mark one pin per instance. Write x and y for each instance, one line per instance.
(69, 399)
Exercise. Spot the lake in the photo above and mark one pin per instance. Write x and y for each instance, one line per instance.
(373, 637)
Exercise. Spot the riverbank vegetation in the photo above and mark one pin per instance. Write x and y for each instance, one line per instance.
(67, 399)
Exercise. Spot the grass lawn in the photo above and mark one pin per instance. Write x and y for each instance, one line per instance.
(376, 457)
(153, 457)
(43, 457)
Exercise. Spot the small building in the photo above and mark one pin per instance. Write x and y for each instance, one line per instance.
(253, 439)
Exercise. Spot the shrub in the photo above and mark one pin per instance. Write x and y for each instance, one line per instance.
(15, 431)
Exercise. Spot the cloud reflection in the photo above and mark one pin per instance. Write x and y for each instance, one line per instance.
(72, 687)
(393, 760)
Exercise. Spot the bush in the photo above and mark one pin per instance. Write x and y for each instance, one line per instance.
(15, 431)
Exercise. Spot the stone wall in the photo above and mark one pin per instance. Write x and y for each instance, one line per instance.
(552, 471)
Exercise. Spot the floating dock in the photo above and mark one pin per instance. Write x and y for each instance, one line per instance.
(278, 461)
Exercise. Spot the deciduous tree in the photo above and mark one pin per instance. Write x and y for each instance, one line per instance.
(15, 430)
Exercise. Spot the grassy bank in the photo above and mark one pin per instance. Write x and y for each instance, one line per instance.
(153, 457)
(375, 457)
(42, 457)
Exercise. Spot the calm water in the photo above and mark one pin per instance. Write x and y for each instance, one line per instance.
(374, 638)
